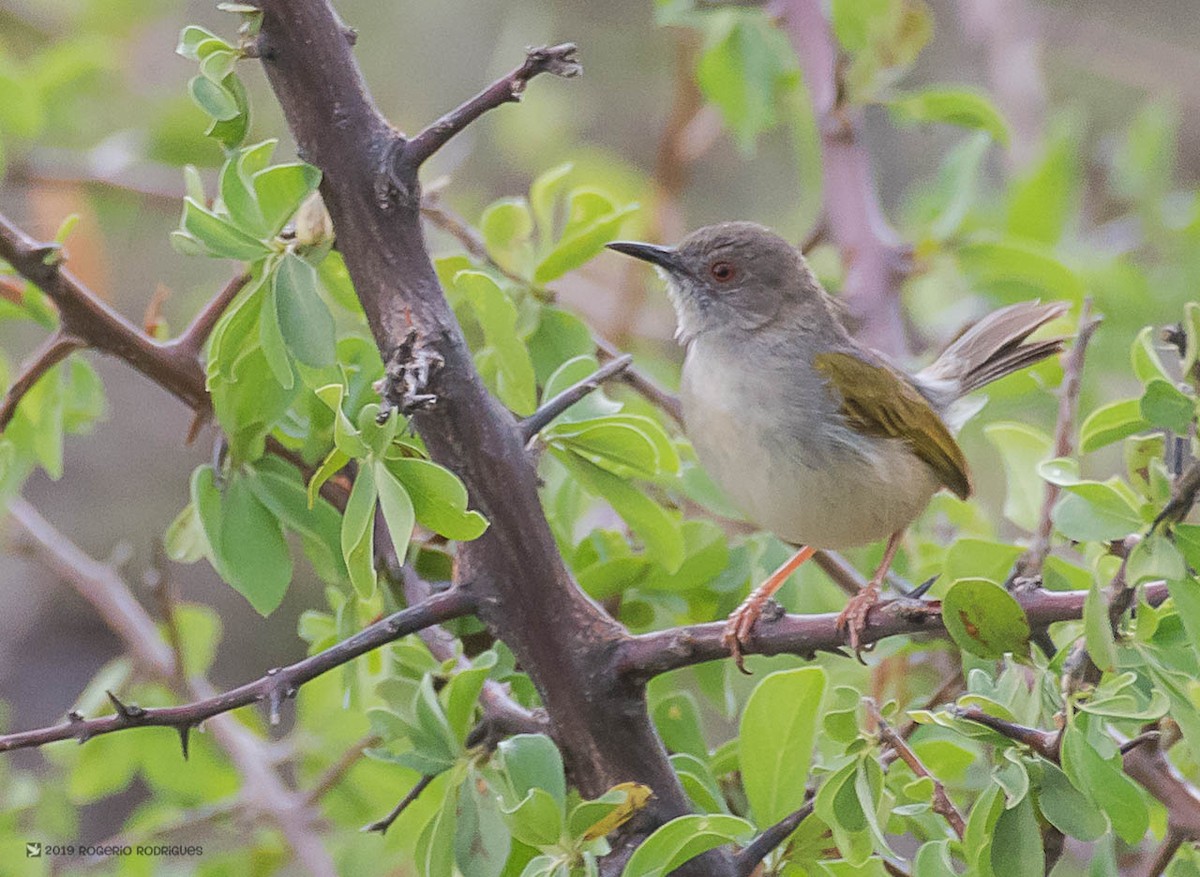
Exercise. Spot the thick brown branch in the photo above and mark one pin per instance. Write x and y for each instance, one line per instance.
(558, 60)
(527, 597)
(941, 801)
(654, 653)
(276, 686)
(876, 259)
(57, 347)
(551, 408)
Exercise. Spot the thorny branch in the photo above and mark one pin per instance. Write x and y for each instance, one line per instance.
(746, 862)
(263, 790)
(273, 689)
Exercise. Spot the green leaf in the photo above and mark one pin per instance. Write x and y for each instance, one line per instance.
(358, 533)
(967, 109)
(677, 718)
(560, 338)
(213, 99)
(1097, 630)
(481, 843)
(1185, 593)
(1111, 423)
(281, 189)
(543, 193)
(1093, 512)
(219, 237)
(1021, 448)
(745, 65)
(498, 318)
(184, 540)
(933, 860)
(1165, 406)
(778, 728)
(506, 226)
(277, 486)
(304, 320)
(838, 805)
(681, 840)
(346, 437)
(1066, 808)
(570, 372)
(532, 761)
(657, 528)
(537, 820)
(462, 693)
(1143, 356)
(984, 619)
(397, 509)
(619, 445)
(270, 338)
(439, 499)
(1017, 843)
(1102, 779)
(248, 548)
(1014, 269)
(1043, 199)
(592, 222)
(435, 847)
(958, 180)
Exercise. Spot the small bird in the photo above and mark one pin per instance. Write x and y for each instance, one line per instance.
(816, 437)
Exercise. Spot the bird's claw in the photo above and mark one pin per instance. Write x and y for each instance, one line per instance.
(739, 626)
(853, 620)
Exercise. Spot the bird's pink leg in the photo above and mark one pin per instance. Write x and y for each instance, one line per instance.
(854, 617)
(743, 619)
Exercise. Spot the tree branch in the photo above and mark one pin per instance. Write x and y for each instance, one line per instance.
(526, 596)
(98, 583)
(877, 261)
(276, 686)
(551, 408)
(382, 825)
(941, 801)
(191, 340)
(85, 317)
(56, 348)
(1146, 764)
(558, 60)
(652, 654)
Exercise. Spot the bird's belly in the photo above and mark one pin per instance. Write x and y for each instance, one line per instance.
(819, 493)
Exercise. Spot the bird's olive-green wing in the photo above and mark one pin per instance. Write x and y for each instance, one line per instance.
(879, 402)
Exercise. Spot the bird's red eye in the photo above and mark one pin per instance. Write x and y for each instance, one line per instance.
(722, 272)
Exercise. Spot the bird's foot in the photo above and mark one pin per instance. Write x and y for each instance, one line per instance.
(740, 625)
(853, 619)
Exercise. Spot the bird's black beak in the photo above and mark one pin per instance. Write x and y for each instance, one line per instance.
(664, 257)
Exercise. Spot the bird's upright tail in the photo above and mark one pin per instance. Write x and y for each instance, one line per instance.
(996, 346)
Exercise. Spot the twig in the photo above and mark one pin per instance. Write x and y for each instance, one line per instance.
(54, 350)
(644, 385)
(746, 861)
(1031, 563)
(558, 60)
(1183, 496)
(551, 408)
(338, 770)
(191, 340)
(876, 259)
(941, 801)
(86, 317)
(655, 653)
(382, 825)
(1044, 743)
(273, 688)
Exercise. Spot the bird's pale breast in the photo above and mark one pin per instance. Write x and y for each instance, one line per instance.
(770, 434)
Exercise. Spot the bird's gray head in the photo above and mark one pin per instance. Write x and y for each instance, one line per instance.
(732, 276)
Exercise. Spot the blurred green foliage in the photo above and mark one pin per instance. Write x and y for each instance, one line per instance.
(292, 361)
